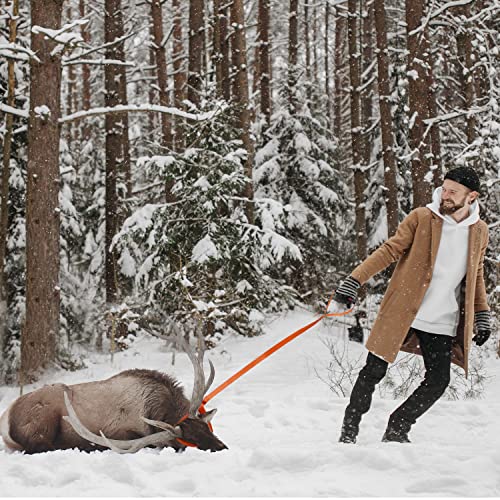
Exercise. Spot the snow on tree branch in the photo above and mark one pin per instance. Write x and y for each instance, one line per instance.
(130, 108)
(64, 35)
(14, 111)
(15, 51)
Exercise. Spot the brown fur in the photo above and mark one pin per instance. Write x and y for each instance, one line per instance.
(114, 406)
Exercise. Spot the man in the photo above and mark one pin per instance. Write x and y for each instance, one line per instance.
(434, 296)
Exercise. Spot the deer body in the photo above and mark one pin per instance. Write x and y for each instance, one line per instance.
(113, 410)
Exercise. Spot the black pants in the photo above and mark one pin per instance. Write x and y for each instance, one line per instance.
(436, 351)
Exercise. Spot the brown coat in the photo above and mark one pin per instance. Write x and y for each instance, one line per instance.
(414, 247)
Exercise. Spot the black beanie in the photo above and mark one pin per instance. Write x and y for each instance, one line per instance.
(466, 176)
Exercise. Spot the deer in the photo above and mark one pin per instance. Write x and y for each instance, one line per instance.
(127, 412)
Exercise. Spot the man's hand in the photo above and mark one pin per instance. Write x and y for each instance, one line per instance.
(482, 320)
(481, 337)
(347, 292)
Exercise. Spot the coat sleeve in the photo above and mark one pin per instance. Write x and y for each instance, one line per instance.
(390, 251)
(480, 297)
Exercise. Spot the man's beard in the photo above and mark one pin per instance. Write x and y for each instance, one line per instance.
(448, 207)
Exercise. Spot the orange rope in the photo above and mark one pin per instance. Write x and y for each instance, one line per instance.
(270, 351)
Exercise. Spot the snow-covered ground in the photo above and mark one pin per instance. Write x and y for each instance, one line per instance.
(281, 424)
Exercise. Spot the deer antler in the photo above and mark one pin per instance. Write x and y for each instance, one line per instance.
(200, 388)
(121, 446)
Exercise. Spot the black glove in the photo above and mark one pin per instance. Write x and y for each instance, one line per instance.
(481, 337)
(482, 320)
(347, 292)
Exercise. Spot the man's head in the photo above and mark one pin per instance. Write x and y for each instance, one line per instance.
(460, 189)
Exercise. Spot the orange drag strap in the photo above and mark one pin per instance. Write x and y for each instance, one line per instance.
(270, 351)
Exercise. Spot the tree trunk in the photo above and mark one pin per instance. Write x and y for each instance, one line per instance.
(315, 43)
(70, 93)
(307, 46)
(196, 35)
(151, 88)
(84, 30)
(226, 50)
(240, 92)
(41, 330)
(117, 151)
(418, 101)
(435, 134)
(4, 207)
(217, 55)
(356, 139)
(366, 97)
(384, 92)
(161, 71)
(464, 44)
(293, 41)
(179, 72)
(340, 30)
(264, 59)
(327, 63)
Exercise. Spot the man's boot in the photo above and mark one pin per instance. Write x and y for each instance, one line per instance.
(350, 429)
(397, 431)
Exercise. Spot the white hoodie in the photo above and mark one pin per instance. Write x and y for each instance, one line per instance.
(439, 311)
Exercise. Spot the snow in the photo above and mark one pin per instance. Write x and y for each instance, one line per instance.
(204, 250)
(281, 424)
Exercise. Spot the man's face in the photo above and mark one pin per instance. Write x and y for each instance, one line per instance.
(454, 197)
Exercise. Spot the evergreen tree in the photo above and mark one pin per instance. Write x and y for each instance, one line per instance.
(198, 260)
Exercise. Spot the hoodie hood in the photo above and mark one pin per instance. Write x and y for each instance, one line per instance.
(436, 202)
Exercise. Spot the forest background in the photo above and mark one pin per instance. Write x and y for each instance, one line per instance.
(180, 167)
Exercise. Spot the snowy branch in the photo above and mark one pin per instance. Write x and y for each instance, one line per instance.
(63, 36)
(98, 62)
(456, 114)
(8, 50)
(101, 47)
(449, 5)
(144, 108)
(14, 111)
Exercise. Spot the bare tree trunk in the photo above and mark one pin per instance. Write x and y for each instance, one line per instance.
(161, 71)
(117, 151)
(366, 97)
(327, 63)
(480, 79)
(4, 207)
(179, 73)
(384, 92)
(84, 30)
(151, 89)
(434, 132)
(217, 56)
(196, 36)
(41, 330)
(307, 46)
(264, 59)
(293, 41)
(70, 93)
(225, 50)
(315, 43)
(356, 140)
(417, 59)
(340, 30)
(464, 43)
(240, 92)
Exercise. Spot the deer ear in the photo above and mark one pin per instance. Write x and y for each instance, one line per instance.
(207, 417)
